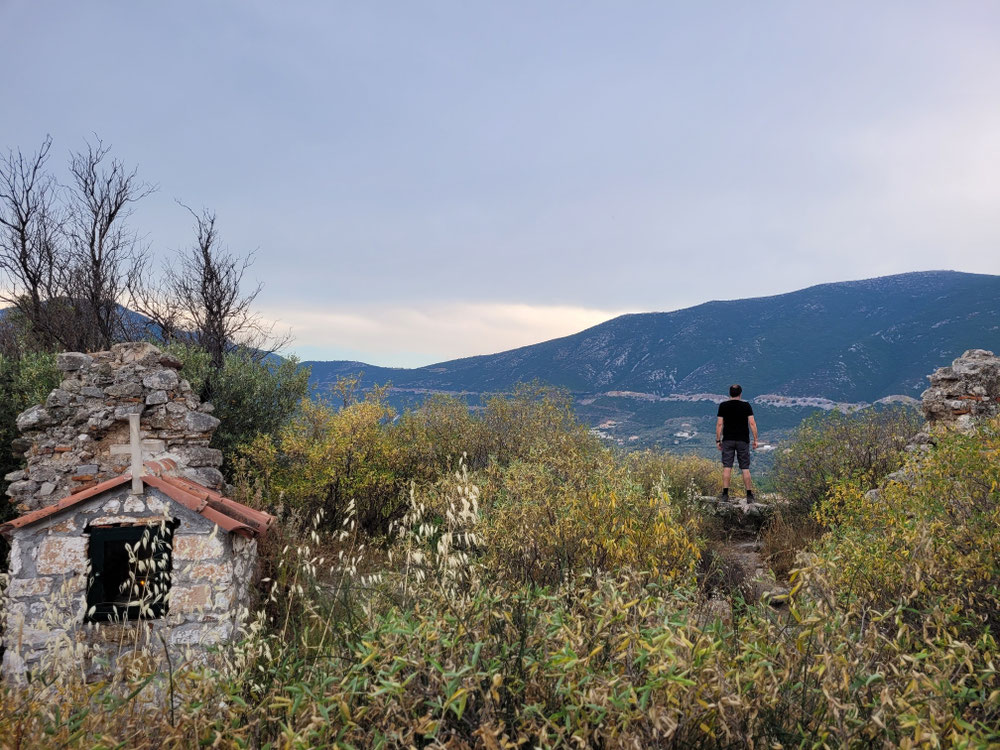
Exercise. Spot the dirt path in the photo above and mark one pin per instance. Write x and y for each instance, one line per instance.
(735, 539)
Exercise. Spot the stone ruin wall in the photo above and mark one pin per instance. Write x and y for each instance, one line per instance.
(80, 435)
(966, 391)
(47, 594)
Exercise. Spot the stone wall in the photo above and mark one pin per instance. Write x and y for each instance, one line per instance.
(967, 390)
(47, 593)
(79, 436)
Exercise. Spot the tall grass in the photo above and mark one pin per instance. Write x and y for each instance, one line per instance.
(555, 601)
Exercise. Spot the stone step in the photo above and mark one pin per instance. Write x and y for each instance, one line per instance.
(737, 511)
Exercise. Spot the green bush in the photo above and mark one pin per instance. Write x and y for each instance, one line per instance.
(250, 397)
(681, 474)
(427, 640)
(864, 445)
(24, 382)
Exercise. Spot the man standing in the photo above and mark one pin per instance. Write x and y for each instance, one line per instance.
(732, 437)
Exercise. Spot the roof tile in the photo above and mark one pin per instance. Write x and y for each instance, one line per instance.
(230, 515)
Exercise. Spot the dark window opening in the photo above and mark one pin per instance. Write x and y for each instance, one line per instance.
(129, 571)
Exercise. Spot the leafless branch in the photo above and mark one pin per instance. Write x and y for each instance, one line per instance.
(208, 286)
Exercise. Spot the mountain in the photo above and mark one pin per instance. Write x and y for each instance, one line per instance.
(848, 341)
(855, 341)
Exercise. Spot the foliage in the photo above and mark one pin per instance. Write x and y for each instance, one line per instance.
(551, 599)
(350, 447)
(787, 532)
(681, 474)
(249, 397)
(24, 382)
(930, 542)
(324, 458)
(546, 530)
(866, 445)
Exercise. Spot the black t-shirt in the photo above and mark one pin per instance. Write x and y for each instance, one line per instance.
(735, 413)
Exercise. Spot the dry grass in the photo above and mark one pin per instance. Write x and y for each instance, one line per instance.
(437, 640)
(786, 534)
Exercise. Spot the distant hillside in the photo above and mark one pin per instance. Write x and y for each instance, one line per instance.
(855, 341)
(850, 341)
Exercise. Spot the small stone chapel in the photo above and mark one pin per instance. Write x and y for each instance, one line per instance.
(126, 538)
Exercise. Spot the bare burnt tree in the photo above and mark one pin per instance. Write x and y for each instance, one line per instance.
(30, 251)
(208, 285)
(66, 254)
(69, 260)
(106, 256)
(151, 295)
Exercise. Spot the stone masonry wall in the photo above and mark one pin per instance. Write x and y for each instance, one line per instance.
(49, 566)
(967, 390)
(79, 436)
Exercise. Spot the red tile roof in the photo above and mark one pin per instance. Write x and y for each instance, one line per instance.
(230, 515)
(67, 502)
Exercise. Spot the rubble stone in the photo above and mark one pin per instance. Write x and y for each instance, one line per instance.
(98, 392)
(61, 555)
(198, 422)
(962, 393)
(165, 380)
(156, 397)
(197, 547)
(33, 418)
(69, 361)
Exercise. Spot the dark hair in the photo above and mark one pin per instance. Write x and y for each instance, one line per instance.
(735, 390)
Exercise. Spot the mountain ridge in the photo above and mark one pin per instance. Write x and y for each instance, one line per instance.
(853, 341)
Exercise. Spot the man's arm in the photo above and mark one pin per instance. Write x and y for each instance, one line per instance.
(718, 433)
(753, 429)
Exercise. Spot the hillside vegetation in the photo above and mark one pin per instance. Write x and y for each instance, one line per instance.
(500, 579)
(645, 379)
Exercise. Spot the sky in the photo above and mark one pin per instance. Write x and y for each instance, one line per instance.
(421, 181)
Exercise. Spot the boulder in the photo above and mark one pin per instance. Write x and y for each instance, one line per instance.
(34, 418)
(195, 421)
(71, 361)
(967, 390)
(164, 380)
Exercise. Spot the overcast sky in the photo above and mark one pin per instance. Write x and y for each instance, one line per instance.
(427, 180)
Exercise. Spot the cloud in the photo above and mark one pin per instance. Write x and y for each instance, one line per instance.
(402, 336)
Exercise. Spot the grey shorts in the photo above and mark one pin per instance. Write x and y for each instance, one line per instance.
(738, 448)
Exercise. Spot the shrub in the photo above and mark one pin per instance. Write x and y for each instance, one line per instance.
(787, 532)
(889, 639)
(864, 445)
(930, 542)
(324, 458)
(250, 397)
(24, 381)
(546, 530)
(535, 421)
(436, 435)
(679, 474)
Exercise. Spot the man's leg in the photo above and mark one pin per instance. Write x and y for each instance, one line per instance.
(743, 454)
(728, 454)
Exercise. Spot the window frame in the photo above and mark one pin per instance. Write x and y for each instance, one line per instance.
(99, 609)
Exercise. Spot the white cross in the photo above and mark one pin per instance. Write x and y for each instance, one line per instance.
(135, 449)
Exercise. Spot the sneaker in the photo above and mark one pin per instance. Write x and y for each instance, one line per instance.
(750, 497)
(724, 496)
